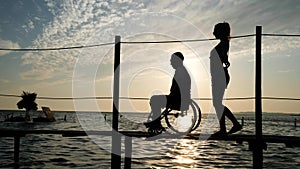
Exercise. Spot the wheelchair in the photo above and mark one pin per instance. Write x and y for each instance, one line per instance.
(176, 121)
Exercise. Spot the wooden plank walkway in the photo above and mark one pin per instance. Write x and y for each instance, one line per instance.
(289, 141)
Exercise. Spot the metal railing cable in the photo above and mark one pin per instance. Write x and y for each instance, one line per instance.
(145, 98)
(281, 35)
(139, 42)
(54, 48)
(111, 43)
(187, 40)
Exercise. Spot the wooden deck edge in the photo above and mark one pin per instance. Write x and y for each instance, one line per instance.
(290, 141)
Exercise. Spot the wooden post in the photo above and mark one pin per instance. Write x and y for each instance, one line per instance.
(128, 151)
(258, 151)
(16, 148)
(242, 121)
(116, 138)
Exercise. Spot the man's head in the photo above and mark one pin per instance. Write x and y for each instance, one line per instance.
(177, 59)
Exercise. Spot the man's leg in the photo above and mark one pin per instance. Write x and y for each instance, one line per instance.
(157, 102)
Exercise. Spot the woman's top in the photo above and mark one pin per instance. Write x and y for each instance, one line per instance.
(219, 58)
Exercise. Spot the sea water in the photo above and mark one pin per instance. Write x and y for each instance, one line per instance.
(55, 151)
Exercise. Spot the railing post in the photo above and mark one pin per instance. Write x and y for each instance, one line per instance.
(258, 151)
(128, 152)
(16, 148)
(242, 121)
(116, 137)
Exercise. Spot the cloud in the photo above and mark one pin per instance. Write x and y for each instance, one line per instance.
(35, 74)
(74, 24)
(4, 81)
(86, 22)
(78, 23)
(7, 44)
(28, 26)
(286, 71)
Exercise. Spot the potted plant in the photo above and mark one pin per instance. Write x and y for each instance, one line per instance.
(27, 102)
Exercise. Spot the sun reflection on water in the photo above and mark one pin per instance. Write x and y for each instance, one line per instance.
(184, 154)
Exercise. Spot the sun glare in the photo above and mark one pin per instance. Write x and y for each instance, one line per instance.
(185, 151)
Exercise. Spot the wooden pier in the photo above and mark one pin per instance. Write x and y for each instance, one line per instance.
(289, 141)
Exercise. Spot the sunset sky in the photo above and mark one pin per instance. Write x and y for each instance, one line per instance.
(145, 68)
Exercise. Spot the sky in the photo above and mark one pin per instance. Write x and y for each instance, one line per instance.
(145, 68)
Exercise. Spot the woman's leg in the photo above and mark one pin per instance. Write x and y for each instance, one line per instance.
(236, 125)
(217, 96)
(230, 116)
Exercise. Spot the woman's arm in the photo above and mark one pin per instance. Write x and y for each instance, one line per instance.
(224, 45)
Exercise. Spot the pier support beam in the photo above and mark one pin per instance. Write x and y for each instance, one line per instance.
(128, 152)
(258, 149)
(116, 137)
(16, 148)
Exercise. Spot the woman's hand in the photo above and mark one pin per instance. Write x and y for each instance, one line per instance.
(227, 64)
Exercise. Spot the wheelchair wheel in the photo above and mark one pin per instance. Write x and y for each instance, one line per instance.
(198, 119)
(183, 121)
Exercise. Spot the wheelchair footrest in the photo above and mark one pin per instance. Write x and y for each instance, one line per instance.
(153, 124)
(154, 127)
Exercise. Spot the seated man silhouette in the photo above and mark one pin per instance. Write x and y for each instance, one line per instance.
(180, 92)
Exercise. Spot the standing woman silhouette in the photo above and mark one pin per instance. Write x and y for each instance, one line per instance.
(220, 78)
